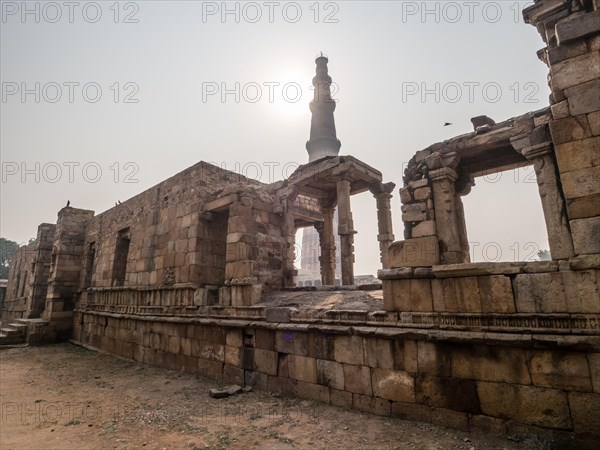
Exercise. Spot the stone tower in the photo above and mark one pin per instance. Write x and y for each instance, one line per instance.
(323, 142)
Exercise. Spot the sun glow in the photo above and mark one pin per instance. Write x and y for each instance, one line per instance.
(290, 94)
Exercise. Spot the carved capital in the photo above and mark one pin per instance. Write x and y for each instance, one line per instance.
(445, 173)
(537, 151)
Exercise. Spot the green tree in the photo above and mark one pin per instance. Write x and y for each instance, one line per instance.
(544, 255)
(7, 249)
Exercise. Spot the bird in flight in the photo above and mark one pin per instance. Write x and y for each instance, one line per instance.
(447, 124)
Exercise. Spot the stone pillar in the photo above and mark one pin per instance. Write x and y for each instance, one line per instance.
(385, 236)
(446, 215)
(289, 235)
(346, 232)
(65, 270)
(327, 242)
(553, 204)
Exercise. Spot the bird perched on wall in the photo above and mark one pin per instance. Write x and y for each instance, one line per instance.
(68, 203)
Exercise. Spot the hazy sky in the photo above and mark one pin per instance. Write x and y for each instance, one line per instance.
(102, 100)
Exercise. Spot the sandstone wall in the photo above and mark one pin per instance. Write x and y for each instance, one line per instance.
(518, 385)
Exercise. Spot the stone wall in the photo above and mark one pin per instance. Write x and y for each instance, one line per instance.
(572, 35)
(519, 385)
(18, 289)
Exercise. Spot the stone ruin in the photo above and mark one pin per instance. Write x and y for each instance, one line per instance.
(193, 273)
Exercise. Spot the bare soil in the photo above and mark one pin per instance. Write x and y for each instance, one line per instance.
(67, 397)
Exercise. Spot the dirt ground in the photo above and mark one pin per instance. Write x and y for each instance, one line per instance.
(67, 397)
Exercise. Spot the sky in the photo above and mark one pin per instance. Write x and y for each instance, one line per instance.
(102, 100)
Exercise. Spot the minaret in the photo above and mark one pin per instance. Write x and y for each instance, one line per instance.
(323, 140)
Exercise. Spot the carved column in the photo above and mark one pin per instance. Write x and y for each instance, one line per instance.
(346, 231)
(382, 194)
(327, 243)
(446, 215)
(553, 204)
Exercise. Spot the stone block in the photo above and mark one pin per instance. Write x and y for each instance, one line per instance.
(233, 356)
(581, 288)
(577, 154)
(283, 386)
(540, 292)
(461, 294)
(257, 380)
(371, 405)
(594, 121)
(490, 363)
(292, 342)
(234, 338)
(581, 182)
(405, 196)
(574, 71)
(496, 294)
(330, 373)
(433, 359)
(562, 52)
(569, 129)
(378, 353)
(414, 212)
(340, 398)
(421, 194)
(302, 368)
(442, 392)
(421, 299)
(393, 385)
(265, 361)
(585, 234)
(576, 27)
(348, 349)
(212, 370)
(525, 404)
(419, 252)
(560, 110)
(321, 346)
(560, 370)
(584, 98)
(424, 229)
(264, 339)
(312, 391)
(357, 379)
(584, 207)
(585, 411)
(594, 362)
(240, 269)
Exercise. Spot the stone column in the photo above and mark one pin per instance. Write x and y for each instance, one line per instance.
(289, 236)
(382, 194)
(553, 204)
(346, 231)
(327, 243)
(446, 215)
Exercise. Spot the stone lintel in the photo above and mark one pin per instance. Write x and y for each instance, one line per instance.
(221, 203)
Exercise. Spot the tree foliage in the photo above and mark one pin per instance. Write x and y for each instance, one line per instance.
(7, 249)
